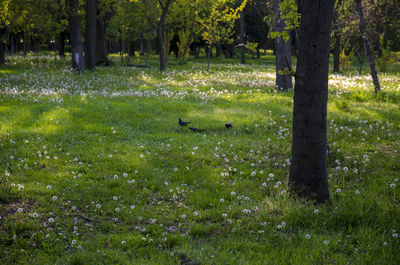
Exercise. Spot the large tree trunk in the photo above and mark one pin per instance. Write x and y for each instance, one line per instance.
(283, 56)
(367, 47)
(160, 33)
(242, 39)
(78, 63)
(90, 36)
(308, 173)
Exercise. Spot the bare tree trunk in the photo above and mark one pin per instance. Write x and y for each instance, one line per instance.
(78, 63)
(2, 52)
(242, 39)
(208, 57)
(367, 47)
(336, 53)
(360, 61)
(283, 56)
(101, 49)
(90, 36)
(308, 173)
(12, 43)
(60, 44)
(160, 33)
(26, 42)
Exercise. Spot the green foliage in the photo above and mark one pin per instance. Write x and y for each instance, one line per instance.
(345, 60)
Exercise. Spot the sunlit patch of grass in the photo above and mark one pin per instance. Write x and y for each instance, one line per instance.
(114, 179)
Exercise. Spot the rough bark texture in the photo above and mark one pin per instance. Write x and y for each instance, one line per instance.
(367, 47)
(90, 36)
(242, 39)
(160, 33)
(308, 176)
(78, 63)
(283, 56)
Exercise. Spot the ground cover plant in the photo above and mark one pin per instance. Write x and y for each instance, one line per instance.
(96, 170)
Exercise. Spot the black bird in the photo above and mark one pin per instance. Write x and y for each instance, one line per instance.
(228, 125)
(183, 123)
(197, 130)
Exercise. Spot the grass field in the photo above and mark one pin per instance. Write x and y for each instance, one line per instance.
(94, 168)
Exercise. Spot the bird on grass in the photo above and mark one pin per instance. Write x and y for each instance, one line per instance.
(197, 130)
(183, 123)
(228, 125)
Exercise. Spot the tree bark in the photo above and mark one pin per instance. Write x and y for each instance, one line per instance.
(12, 43)
(101, 49)
(367, 47)
(60, 43)
(90, 36)
(2, 52)
(242, 39)
(336, 36)
(336, 53)
(308, 173)
(26, 42)
(283, 56)
(360, 61)
(160, 33)
(78, 63)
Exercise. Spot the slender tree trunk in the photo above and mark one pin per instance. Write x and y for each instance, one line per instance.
(336, 53)
(78, 63)
(142, 44)
(242, 39)
(360, 61)
(208, 57)
(90, 36)
(258, 51)
(367, 47)
(308, 173)
(60, 43)
(160, 33)
(336, 35)
(148, 46)
(283, 56)
(26, 42)
(101, 44)
(2, 52)
(12, 43)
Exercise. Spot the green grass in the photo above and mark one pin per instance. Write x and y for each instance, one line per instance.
(95, 169)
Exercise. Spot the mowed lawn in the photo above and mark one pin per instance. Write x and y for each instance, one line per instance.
(94, 168)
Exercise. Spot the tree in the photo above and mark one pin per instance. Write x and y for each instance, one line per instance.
(242, 39)
(216, 21)
(367, 47)
(78, 63)
(160, 32)
(308, 173)
(283, 57)
(336, 36)
(90, 34)
(4, 21)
